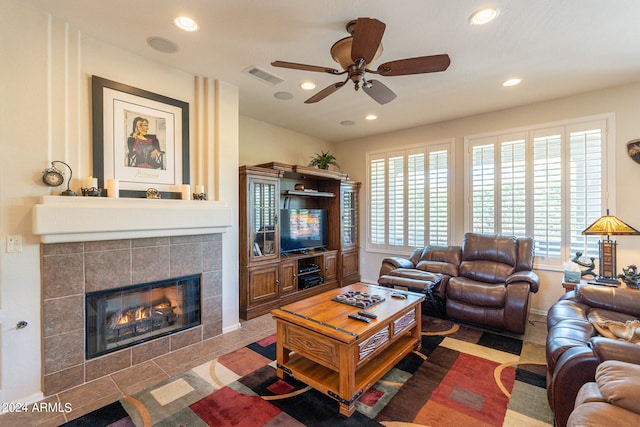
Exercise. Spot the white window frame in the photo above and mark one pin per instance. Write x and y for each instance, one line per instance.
(567, 126)
(405, 151)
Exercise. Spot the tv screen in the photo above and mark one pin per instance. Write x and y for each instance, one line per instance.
(302, 229)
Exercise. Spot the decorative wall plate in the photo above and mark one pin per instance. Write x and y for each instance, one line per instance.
(633, 148)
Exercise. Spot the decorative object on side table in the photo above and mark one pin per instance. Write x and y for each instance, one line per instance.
(54, 177)
(608, 225)
(630, 277)
(586, 267)
(323, 159)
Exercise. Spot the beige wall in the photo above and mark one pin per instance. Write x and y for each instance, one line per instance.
(261, 142)
(622, 101)
(45, 115)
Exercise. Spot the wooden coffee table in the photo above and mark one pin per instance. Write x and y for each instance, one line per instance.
(319, 345)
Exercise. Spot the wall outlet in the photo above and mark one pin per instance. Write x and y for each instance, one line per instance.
(14, 243)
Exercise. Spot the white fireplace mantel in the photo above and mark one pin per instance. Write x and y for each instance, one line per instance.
(59, 219)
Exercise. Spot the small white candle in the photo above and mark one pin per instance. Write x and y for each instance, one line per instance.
(113, 189)
(90, 182)
(199, 189)
(186, 192)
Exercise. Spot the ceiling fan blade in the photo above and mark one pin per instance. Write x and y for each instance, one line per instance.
(378, 91)
(324, 93)
(367, 37)
(419, 65)
(305, 67)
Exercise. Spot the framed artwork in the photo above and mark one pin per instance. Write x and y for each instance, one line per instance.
(140, 138)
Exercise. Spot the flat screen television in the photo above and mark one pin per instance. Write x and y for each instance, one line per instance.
(302, 229)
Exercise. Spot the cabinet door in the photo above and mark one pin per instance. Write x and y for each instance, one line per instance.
(330, 267)
(349, 215)
(263, 283)
(350, 267)
(262, 208)
(288, 276)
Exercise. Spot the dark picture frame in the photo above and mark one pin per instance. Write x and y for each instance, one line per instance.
(117, 109)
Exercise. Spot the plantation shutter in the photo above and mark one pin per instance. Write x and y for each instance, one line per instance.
(586, 183)
(513, 196)
(483, 190)
(377, 202)
(439, 197)
(547, 194)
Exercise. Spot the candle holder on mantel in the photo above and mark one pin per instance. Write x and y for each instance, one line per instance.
(92, 192)
(199, 196)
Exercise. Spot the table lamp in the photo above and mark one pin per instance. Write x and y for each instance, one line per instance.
(608, 225)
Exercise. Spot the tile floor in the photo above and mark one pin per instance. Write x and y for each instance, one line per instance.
(91, 396)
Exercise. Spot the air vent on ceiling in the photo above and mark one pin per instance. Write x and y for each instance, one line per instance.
(263, 75)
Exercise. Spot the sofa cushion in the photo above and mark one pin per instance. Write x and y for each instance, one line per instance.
(619, 383)
(486, 271)
(476, 293)
(500, 249)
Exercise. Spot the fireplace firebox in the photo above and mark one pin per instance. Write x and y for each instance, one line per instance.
(122, 317)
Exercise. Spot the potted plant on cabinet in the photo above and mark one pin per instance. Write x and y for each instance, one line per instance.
(323, 159)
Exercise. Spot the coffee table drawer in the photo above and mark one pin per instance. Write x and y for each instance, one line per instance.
(371, 345)
(316, 347)
(403, 323)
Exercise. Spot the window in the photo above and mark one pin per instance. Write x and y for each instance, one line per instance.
(409, 200)
(545, 182)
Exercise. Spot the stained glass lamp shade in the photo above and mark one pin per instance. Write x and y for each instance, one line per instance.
(608, 225)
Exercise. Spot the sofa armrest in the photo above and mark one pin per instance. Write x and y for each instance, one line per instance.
(392, 263)
(610, 349)
(525, 276)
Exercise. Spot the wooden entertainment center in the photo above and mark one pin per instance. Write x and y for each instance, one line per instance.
(269, 277)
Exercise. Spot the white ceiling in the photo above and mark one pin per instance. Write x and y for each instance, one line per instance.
(557, 48)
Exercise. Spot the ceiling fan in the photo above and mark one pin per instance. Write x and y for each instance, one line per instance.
(356, 52)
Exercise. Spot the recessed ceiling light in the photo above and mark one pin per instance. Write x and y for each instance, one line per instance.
(347, 123)
(511, 82)
(307, 85)
(283, 95)
(483, 16)
(185, 23)
(371, 117)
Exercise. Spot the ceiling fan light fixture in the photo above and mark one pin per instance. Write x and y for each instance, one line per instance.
(308, 85)
(185, 23)
(341, 52)
(483, 16)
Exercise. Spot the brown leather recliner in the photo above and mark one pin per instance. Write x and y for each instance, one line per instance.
(574, 348)
(612, 400)
(494, 281)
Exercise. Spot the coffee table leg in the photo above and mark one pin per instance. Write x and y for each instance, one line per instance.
(282, 354)
(347, 375)
(417, 330)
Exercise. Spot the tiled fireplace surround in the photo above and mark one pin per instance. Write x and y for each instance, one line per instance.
(71, 269)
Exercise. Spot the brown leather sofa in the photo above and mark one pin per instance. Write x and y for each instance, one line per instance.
(574, 348)
(612, 400)
(486, 281)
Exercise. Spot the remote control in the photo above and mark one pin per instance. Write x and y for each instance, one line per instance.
(368, 314)
(358, 317)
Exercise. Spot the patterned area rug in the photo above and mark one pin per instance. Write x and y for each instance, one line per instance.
(462, 376)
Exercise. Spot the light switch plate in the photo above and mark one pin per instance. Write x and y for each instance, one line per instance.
(14, 243)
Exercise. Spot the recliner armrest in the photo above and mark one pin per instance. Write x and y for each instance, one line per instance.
(610, 349)
(525, 276)
(392, 263)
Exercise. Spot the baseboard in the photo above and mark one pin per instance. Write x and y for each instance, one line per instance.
(538, 312)
(231, 328)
